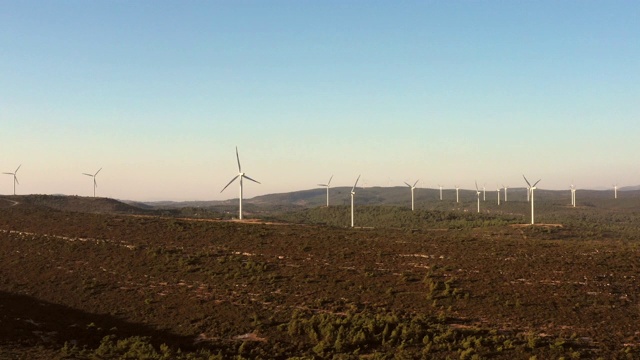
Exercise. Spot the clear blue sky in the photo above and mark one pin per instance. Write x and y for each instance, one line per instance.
(159, 93)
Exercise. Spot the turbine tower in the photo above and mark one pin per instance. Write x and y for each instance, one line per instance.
(505, 193)
(498, 191)
(240, 175)
(95, 183)
(15, 178)
(440, 191)
(484, 192)
(353, 193)
(412, 187)
(327, 186)
(531, 189)
(457, 197)
(573, 195)
(478, 194)
(615, 191)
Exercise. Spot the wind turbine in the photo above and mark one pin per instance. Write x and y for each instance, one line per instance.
(505, 192)
(498, 191)
(440, 191)
(15, 178)
(531, 189)
(353, 193)
(327, 186)
(457, 197)
(484, 192)
(95, 184)
(478, 193)
(528, 193)
(615, 191)
(573, 195)
(240, 175)
(412, 187)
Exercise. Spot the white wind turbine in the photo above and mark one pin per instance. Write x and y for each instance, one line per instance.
(457, 197)
(505, 192)
(615, 191)
(353, 193)
(412, 187)
(498, 191)
(484, 192)
(95, 183)
(528, 193)
(15, 178)
(240, 175)
(327, 186)
(531, 189)
(478, 194)
(573, 195)
(440, 191)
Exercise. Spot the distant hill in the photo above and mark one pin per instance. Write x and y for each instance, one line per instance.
(181, 204)
(399, 195)
(76, 204)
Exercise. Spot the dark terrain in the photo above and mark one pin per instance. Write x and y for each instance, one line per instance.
(88, 278)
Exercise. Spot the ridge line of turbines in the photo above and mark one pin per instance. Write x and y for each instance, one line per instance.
(241, 175)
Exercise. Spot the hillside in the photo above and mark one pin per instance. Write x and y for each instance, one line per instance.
(72, 203)
(114, 286)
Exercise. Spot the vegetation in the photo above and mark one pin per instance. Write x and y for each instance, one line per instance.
(433, 284)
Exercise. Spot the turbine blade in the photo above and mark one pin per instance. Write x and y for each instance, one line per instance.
(416, 183)
(97, 172)
(534, 185)
(477, 187)
(248, 178)
(325, 185)
(16, 179)
(329, 183)
(407, 184)
(87, 174)
(15, 172)
(95, 183)
(356, 184)
(238, 158)
(525, 179)
(232, 180)
(8, 173)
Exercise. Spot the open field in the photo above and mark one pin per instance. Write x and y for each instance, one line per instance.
(116, 282)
